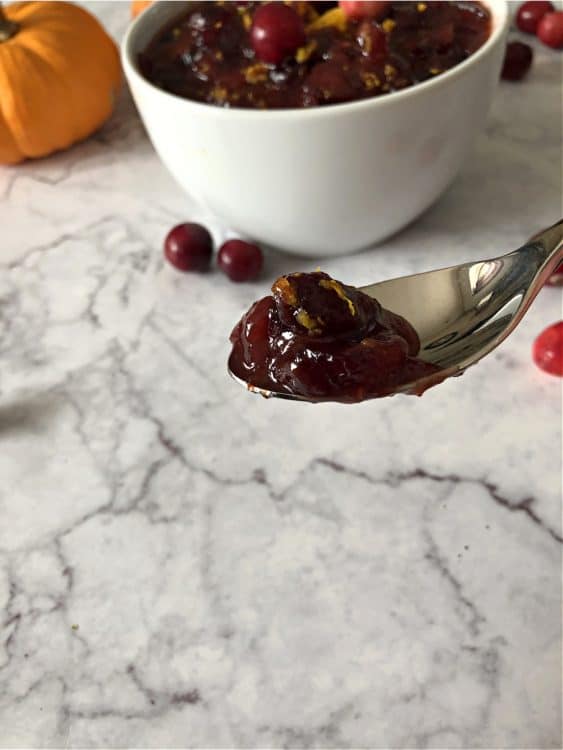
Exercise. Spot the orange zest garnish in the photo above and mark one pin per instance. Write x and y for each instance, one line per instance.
(333, 17)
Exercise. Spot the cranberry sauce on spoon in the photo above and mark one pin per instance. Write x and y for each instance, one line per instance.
(325, 341)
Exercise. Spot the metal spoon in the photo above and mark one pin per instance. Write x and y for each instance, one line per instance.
(463, 312)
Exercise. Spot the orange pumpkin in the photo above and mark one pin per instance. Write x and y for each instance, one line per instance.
(138, 6)
(59, 77)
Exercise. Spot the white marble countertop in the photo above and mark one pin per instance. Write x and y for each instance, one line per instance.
(184, 565)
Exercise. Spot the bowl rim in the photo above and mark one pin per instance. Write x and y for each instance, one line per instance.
(500, 22)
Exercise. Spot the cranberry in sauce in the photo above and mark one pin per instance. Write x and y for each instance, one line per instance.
(286, 55)
(277, 31)
(364, 8)
(318, 338)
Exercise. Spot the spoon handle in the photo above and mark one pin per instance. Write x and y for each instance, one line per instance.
(533, 264)
(548, 247)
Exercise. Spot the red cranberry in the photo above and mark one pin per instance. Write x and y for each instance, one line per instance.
(548, 349)
(327, 82)
(239, 260)
(530, 13)
(556, 278)
(189, 247)
(517, 61)
(366, 9)
(550, 29)
(373, 41)
(443, 36)
(277, 31)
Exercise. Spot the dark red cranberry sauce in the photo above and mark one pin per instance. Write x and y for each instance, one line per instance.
(325, 341)
(223, 54)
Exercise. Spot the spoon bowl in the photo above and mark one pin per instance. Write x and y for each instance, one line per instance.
(462, 313)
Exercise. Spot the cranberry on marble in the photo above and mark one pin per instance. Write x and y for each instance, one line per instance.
(517, 61)
(530, 13)
(277, 31)
(189, 247)
(547, 350)
(239, 260)
(550, 29)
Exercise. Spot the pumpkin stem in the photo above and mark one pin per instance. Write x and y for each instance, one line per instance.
(7, 28)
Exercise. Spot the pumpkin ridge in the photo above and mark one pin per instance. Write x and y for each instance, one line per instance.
(61, 101)
(9, 105)
(20, 11)
(59, 76)
(46, 42)
(43, 57)
(10, 153)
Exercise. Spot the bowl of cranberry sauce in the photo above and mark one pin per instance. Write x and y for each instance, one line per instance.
(310, 128)
(278, 56)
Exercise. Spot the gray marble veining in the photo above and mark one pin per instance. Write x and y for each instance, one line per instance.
(183, 565)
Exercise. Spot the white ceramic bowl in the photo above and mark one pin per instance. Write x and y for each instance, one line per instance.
(326, 180)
